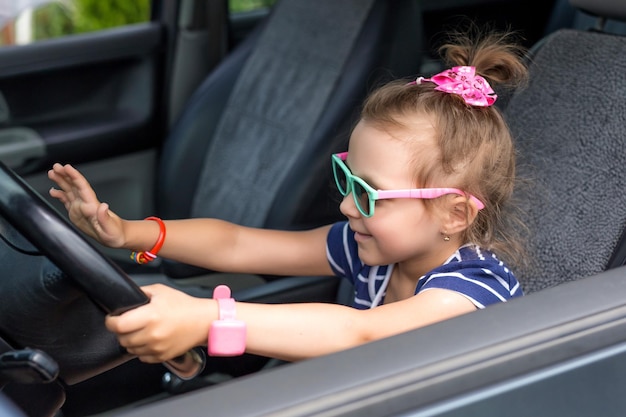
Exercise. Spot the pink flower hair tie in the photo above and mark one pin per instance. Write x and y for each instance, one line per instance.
(464, 82)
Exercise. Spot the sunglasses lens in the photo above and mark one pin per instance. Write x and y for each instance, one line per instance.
(361, 198)
(340, 178)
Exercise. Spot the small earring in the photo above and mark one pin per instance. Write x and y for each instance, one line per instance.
(446, 238)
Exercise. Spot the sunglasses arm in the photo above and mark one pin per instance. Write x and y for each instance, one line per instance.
(425, 193)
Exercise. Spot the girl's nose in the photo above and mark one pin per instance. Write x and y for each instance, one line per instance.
(348, 207)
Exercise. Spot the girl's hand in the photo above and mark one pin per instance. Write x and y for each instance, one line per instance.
(84, 209)
(171, 324)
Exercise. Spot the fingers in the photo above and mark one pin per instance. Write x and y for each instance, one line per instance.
(129, 322)
(78, 182)
(59, 175)
(161, 329)
(148, 342)
(148, 351)
(139, 318)
(132, 335)
(59, 195)
(72, 183)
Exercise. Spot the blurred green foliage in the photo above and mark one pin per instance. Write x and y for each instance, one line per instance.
(247, 5)
(79, 16)
(65, 17)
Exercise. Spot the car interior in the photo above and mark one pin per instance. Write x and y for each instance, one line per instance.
(260, 113)
(232, 102)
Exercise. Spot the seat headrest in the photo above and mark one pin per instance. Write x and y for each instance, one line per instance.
(611, 9)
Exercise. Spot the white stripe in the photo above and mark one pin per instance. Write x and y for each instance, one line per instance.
(362, 278)
(373, 275)
(333, 263)
(362, 302)
(383, 287)
(455, 256)
(346, 247)
(479, 253)
(463, 277)
(371, 283)
(514, 290)
(502, 282)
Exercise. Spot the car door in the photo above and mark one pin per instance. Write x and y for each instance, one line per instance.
(101, 92)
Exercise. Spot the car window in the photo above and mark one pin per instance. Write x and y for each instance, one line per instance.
(239, 6)
(28, 21)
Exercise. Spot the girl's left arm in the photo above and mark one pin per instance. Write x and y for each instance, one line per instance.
(174, 322)
(299, 331)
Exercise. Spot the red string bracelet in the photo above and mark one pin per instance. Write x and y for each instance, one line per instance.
(149, 256)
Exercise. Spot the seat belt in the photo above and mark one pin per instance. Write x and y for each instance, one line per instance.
(201, 43)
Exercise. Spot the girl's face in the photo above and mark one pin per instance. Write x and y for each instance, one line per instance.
(401, 230)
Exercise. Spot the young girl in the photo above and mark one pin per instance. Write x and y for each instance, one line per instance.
(429, 168)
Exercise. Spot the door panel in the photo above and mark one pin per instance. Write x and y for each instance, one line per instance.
(87, 97)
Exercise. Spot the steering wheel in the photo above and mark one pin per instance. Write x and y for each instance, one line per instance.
(75, 286)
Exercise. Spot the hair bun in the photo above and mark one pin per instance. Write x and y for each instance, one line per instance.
(495, 56)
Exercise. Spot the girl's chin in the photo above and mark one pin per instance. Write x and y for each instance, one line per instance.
(369, 256)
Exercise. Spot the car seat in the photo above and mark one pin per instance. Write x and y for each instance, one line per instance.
(569, 125)
(253, 144)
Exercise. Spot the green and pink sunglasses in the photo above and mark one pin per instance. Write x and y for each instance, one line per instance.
(365, 196)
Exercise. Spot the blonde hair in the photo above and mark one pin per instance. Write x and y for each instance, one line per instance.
(475, 146)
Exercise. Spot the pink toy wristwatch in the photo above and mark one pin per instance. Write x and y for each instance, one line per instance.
(227, 335)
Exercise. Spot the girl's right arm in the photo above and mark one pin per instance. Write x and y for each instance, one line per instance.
(208, 243)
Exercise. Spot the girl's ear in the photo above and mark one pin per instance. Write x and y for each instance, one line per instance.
(458, 214)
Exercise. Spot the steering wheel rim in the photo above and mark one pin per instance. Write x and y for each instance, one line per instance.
(54, 236)
(101, 280)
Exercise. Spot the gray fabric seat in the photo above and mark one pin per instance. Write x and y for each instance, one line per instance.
(570, 128)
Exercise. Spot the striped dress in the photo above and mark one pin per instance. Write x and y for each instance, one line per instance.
(472, 272)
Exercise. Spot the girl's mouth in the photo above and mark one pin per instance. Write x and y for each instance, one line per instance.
(361, 237)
